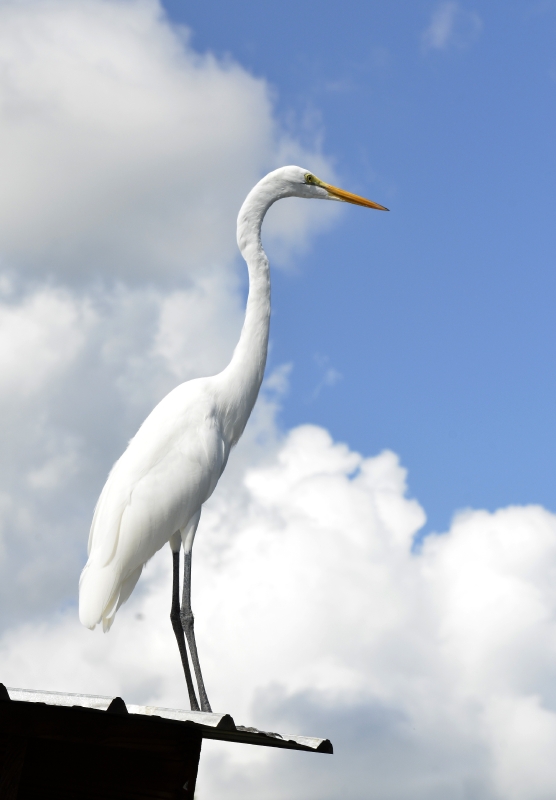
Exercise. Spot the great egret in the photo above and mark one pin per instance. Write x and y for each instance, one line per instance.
(155, 491)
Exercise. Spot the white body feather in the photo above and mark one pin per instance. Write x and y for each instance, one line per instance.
(155, 491)
(170, 468)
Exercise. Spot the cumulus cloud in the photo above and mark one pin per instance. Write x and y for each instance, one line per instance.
(128, 151)
(451, 26)
(39, 337)
(432, 671)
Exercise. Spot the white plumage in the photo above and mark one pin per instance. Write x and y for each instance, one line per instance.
(168, 471)
(155, 491)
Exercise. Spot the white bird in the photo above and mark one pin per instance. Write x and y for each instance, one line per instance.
(156, 490)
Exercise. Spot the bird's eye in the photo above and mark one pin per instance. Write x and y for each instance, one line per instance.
(308, 178)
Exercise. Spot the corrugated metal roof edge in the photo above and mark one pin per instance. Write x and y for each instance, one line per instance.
(210, 725)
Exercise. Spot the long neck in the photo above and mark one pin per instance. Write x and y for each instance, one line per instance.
(242, 378)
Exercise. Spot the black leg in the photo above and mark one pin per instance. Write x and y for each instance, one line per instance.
(186, 616)
(178, 630)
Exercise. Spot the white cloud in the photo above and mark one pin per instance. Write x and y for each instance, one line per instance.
(432, 672)
(524, 736)
(451, 25)
(128, 151)
(39, 337)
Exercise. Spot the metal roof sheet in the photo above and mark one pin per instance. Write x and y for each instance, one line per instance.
(211, 726)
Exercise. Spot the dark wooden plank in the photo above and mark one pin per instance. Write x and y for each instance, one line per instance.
(12, 757)
(70, 752)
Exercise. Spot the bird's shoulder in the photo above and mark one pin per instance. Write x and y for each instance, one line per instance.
(189, 413)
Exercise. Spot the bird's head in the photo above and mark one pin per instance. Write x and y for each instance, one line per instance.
(299, 182)
(286, 182)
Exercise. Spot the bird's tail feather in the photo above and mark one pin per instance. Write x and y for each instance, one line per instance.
(125, 590)
(101, 592)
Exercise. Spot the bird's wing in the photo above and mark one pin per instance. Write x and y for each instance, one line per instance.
(167, 472)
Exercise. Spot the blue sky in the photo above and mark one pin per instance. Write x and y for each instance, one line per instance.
(439, 317)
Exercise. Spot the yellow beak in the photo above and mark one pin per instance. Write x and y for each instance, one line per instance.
(348, 197)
